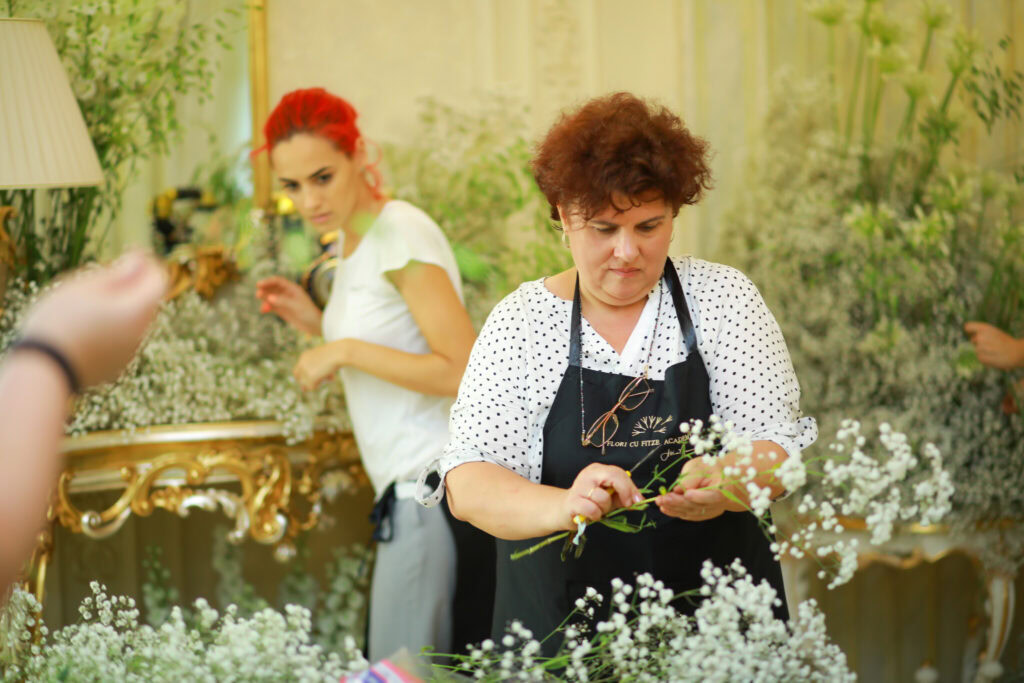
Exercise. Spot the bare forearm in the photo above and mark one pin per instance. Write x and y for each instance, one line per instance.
(426, 373)
(502, 503)
(767, 456)
(33, 407)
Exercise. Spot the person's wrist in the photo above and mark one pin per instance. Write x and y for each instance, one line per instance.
(558, 514)
(59, 360)
(314, 325)
(37, 369)
(341, 353)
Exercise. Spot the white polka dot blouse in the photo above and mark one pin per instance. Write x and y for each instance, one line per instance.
(522, 352)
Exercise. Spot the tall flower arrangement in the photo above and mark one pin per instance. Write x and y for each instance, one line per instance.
(873, 248)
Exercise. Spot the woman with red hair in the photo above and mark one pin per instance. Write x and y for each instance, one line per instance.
(397, 333)
(575, 376)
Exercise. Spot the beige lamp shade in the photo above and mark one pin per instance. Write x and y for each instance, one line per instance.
(43, 138)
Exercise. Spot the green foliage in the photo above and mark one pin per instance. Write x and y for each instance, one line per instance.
(899, 168)
(129, 62)
(874, 252)
(471, 173)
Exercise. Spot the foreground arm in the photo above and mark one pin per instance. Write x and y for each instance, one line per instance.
(33, 406)
(96, 321)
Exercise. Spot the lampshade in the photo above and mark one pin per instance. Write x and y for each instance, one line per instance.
(43, 138)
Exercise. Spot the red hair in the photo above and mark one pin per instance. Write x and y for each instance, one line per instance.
(316, 112)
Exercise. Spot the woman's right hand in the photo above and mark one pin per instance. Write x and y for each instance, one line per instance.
(597, 490)
(290, 302)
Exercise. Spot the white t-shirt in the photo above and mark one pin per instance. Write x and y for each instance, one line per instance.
(522, 352)
(398, 430)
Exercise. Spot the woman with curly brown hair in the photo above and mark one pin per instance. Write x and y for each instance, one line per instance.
(630, 333)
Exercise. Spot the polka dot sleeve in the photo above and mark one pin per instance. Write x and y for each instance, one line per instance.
(490, 419)
(752, 381)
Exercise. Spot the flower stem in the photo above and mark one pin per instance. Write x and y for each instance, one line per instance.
(534, 548)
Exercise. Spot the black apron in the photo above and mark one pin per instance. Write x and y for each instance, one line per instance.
(540, 589)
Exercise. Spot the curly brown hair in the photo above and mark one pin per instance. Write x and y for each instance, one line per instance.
(619, 144)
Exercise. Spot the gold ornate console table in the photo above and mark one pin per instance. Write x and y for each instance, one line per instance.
(184, 467)
(914, 544)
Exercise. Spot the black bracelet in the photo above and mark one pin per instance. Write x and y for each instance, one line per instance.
(31, 344)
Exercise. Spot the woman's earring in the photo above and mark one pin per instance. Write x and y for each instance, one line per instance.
(565, 238)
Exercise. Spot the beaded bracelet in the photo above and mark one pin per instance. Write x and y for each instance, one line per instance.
(47, 349)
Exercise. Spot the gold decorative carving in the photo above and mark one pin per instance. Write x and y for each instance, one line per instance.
(178, 469)
(204, 269)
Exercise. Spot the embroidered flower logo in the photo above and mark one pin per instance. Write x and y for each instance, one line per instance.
(651, 424)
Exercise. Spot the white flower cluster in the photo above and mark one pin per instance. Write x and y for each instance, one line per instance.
(109, 644)
(881, 485)
(732, 636)
(720, 440)
(855, 483)
(338, 607)
(202, 361)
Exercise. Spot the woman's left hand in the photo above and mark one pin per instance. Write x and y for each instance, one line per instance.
(695, 498)
(319, 364)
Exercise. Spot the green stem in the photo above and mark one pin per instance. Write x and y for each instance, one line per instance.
(872, 100)
(907, 128)
(861, 45)
(532, 549)
(833, 76)
(934, 146)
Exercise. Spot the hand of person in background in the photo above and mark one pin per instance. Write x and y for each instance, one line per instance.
(92, 322)
(290, 302)
(995, 348)
(320, 364)
(97, 318)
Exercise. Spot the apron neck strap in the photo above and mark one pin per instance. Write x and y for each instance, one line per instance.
(575, 347)
(682, 310)
(682, 313)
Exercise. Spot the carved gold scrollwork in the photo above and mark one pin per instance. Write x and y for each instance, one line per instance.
(267, 508)
(264, 475)
(204, 269)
